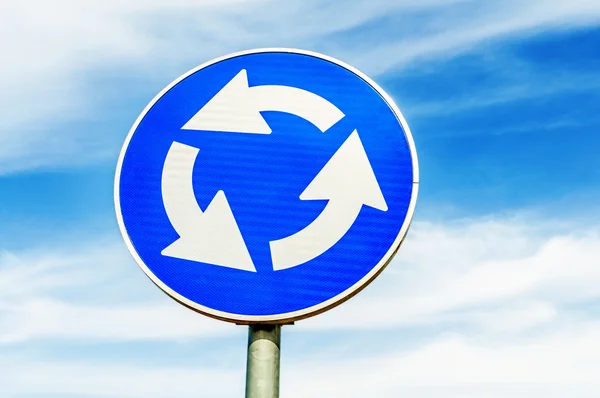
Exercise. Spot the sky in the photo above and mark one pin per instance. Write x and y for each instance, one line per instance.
(494, 292)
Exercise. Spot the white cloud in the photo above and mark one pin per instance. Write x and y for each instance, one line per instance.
(459, 272)
(51, 319)
(536, 366)
(510, 317)
(527, 85)
(115, 380)
(93, 293)
(50, 49)
(53, 50)
(495, 275)
(502, 307)
(564, 364)
(556, 366)
(459, 29)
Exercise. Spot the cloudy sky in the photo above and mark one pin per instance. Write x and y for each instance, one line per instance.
(494, 293)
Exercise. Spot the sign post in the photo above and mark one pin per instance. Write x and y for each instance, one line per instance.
(262, 366)
(265, 187)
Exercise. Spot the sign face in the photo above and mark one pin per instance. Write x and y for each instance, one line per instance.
(266, 186)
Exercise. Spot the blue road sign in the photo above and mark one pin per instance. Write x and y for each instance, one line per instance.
(266, 186)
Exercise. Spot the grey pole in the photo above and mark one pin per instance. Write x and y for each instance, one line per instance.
(262, 366)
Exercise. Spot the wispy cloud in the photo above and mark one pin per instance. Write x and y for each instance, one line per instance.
(47, 378)
(531, 87)
(499, 304)
(468, 273)
(95, 293)
(459, 28)
(556, 365)
(543, 363)
(453, 273)
(52, 51)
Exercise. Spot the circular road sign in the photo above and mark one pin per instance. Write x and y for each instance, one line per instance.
(266, 186)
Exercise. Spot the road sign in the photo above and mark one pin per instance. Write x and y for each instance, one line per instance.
(267, 185)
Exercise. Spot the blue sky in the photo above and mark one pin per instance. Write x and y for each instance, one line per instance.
(494, 293)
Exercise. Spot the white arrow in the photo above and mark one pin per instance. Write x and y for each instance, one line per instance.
(212, 236)
(236, 108)
(348, 182)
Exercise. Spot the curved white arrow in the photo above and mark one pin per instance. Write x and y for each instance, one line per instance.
(348, 182)
(212, 236)
(236, 108)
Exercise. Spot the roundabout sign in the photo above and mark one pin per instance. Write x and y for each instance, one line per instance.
(266, 186)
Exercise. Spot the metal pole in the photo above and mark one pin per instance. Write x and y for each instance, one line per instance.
(262, 366)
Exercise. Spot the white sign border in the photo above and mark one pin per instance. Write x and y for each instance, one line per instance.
(307, 312)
